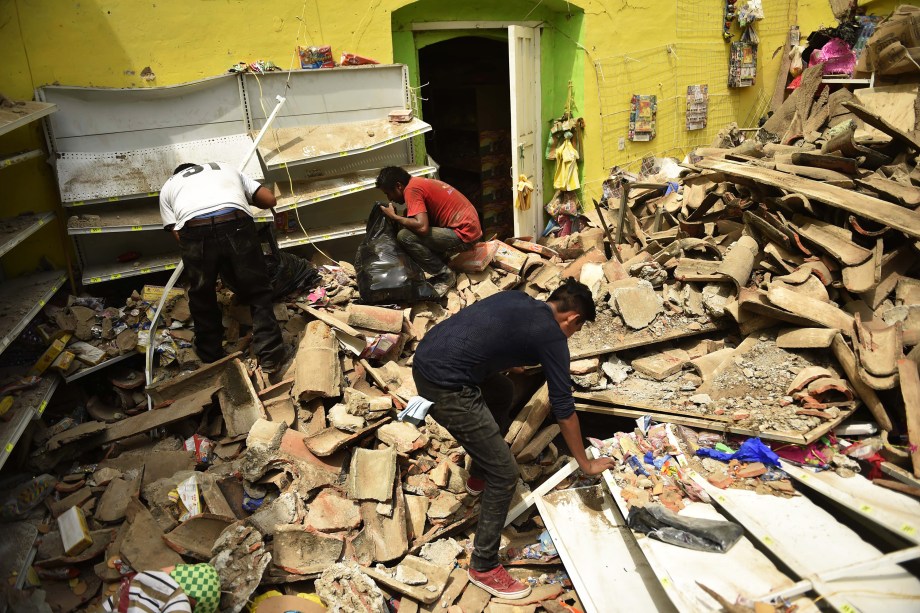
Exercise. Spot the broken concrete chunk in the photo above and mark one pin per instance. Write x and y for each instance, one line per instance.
(416, 514)
(715, 298)
(239, 401)
(371, 474)
(340, 417)
(304, 552)
(616, 369)
(265, 436)
(444, 506)
(319, 371)
(441, 552)
(404, 436)
(583, 367)
(196, 536)
(240, 560)
(331, 511)
(285, 509)
(344, 588)
(638, 306)
(661, 365)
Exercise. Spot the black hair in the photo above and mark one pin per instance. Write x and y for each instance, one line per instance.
(182, 167)
(390, 176)
(574, 296)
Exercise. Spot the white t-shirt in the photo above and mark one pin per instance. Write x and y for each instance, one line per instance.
(204, 189)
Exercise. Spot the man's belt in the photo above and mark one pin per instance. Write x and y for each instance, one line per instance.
(213, 221)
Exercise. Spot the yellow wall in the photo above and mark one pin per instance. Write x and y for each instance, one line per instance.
(109, 42)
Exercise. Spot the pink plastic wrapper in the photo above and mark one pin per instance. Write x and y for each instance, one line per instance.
(350, 59)
(837, 56)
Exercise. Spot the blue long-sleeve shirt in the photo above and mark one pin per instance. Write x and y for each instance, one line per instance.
(505, 330)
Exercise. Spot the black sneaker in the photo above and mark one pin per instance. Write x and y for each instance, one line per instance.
(443, 282)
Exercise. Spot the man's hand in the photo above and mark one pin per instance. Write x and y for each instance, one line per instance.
(596, 467)
(389, 210)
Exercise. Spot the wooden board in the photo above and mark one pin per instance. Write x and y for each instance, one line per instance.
(704, 422)
(885, 213)
(608, 334)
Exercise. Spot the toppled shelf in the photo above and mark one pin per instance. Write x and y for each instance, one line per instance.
(318, 190)
(14, 230)
(105, 364)
(23, 113)
(30, 404)
(317, 235)
(306, 144)
(17, 552)
(608, 334)
(91, 178)
(142, 266)
(16, 158)
(22, 298)
(131, 217)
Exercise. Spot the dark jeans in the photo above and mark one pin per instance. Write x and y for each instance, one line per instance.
(472, 415)
(431, 251)
(230, 249)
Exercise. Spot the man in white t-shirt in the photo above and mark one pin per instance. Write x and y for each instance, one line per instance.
(206, 207)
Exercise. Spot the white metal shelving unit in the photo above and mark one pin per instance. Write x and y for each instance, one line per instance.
(22, 298)
(30, 405)
(22, 156)
(114, 149)
(14, 230)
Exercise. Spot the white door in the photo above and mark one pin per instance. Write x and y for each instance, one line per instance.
(524, 63)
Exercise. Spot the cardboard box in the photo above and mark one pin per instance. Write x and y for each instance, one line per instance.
(152, 293)
(74, 531)
(51, 353)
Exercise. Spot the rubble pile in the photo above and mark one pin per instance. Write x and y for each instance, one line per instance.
(763, 289)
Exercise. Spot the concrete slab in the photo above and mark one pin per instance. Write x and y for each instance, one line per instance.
(239, 401)
(331, 511)
(302, 552)
(371, 474)
(195, 537)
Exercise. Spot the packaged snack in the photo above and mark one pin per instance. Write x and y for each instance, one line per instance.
(350, 59)
(316, 57)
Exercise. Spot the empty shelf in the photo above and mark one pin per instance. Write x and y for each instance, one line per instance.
(141, 266)
(130, 217)
(30, 404)
(14, 230)
(22, 298)
(318, 235)
(22, 114)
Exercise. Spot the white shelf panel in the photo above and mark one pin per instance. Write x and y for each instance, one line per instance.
(117, 270)
(23, 114)
(17, 552)
(131, 217)
(16, 158)
(91, 369)
(22, 298)
(305, 144)
(29, 405)
(318, 235)
(311, 192)
(86, 178)
(14, 230)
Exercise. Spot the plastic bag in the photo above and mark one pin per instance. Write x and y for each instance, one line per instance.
(751, 450)
(667, 526)
(386, 273)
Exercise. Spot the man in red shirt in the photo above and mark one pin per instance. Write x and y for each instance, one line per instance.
(439, 221)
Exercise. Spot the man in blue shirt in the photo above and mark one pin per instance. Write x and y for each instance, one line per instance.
(461, 358)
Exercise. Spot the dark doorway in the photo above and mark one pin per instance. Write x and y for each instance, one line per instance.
(467, 103)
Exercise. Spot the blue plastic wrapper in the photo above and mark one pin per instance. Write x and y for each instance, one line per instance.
(751, 450)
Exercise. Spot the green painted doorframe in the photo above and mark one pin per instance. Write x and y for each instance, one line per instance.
(562, 56)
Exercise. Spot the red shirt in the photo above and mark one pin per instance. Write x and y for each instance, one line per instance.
(445, 205)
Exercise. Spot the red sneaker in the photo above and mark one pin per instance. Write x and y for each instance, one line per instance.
(499, 583)
(475, 486)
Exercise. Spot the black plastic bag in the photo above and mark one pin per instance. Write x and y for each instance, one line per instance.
(693, 533)
(386, 273)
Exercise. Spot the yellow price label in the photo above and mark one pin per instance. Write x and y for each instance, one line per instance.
(136, 228)
(343, 154)
(95, 280)
(116, 275)
(95, 230)
(153, 193)
(77, 203)
(42, 407)
(866, 509)
(665, 582)
(9, 447)
(145, 270)
(721, 498)
(326, 237)
(803, 476)
(908, 529)
(767, 541)
(315, 200)
(847, 608)
(41, 303)
(41, 221)
(113, 198)
(168, 267)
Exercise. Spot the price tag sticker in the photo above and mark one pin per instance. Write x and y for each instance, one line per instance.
(866, 509)
(95, 230)
(136, 228)
(41, 408)
(116, 275)
(113, 198)
(908, 529)
(95, 279)
(8, 448)
(168, 267)
(145, 270)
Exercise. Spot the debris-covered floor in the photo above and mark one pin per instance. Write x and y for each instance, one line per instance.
(753, 370)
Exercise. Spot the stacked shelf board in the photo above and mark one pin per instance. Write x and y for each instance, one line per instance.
(116, 270)
(22, 114)
(30, 404)
(14, 230)
(22, 298)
